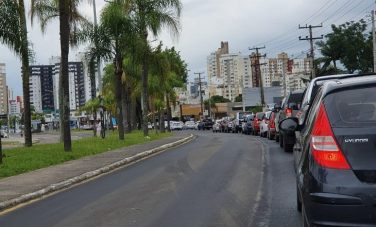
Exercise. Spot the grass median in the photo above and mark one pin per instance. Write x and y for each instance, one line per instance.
(24, 159)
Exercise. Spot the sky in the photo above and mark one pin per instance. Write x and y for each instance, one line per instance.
(244, 24)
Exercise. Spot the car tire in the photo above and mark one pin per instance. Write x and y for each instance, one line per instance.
(298, 202)
(287, 147)
(304, 219)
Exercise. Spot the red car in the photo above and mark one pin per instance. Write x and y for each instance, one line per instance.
(271, 126)
(256, 123)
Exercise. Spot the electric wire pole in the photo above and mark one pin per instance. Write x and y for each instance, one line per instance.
(258, 71)
(311, 41)
(199, 80)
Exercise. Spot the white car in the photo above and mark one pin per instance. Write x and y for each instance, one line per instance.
(264, 124)
(217, 125)
(176, 126)
(150, 126)
(189, 125)
(3, 133)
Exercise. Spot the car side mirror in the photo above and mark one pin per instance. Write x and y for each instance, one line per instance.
(289, 124)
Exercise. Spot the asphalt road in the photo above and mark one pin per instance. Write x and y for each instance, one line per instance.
(218, 179)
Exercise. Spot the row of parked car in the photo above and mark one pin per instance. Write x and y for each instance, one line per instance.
(331, 130)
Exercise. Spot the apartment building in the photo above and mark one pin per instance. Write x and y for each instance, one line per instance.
(44, 85)
(3, 90)
(229, 74)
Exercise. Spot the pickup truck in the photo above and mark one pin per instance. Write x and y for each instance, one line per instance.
(205, 124)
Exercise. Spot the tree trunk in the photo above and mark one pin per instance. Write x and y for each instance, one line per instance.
(64, 45)
(133, 116)
(152, 106)
(145, 97)
(118, 64)
(129, 108)
(95, 123)
(168, 112)
(25, 76)
(124, 107)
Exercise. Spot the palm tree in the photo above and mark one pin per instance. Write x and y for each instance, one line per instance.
(111, 40)
(70, 20)
(14, 120)
(152, 16)
(13, 33)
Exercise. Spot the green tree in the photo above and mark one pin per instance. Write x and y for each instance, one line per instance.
(351, 45)
(13, 121)
(13, 33)
(220, 99)
(238, 99)
(152, 16)
(111, 40)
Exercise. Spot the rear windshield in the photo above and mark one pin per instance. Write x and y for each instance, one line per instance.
(296, 98)
(259, 115)
(352, 108)
(241, 114)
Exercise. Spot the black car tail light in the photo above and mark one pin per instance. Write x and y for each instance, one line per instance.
(324, 147)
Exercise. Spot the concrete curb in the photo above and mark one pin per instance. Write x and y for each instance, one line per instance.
(88, 175)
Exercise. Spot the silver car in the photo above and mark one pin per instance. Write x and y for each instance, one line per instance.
(217, 125)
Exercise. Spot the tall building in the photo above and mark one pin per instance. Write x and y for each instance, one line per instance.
(44, 84)
(15, 108)
(41, 87)
(229, 74)
(3, 90)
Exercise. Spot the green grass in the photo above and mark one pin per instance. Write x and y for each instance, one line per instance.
(24, 159)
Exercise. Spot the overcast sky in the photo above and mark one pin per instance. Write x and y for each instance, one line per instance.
(205, 24)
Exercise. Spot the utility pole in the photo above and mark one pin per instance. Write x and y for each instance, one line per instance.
(258, 71)
(199, 80)
(373, 40)
(311, 41)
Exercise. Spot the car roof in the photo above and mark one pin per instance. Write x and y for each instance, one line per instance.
(320, 80)
(353, 82)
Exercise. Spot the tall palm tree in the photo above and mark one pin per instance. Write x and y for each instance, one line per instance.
(152, 16)
(70, 21)
(13, 33)
(111, 40)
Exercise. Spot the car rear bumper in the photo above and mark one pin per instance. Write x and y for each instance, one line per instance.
(339, 210)
(334, 197)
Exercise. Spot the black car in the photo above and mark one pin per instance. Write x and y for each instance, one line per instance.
(334, 154)
(289, 108)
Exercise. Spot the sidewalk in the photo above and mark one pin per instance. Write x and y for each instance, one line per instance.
(25, 187)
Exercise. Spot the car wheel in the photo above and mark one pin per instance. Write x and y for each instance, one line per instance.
(304, 219)
(298, 203)
(276, 138)
(287, 147)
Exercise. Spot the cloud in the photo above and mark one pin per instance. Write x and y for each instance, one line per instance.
(243, 23)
